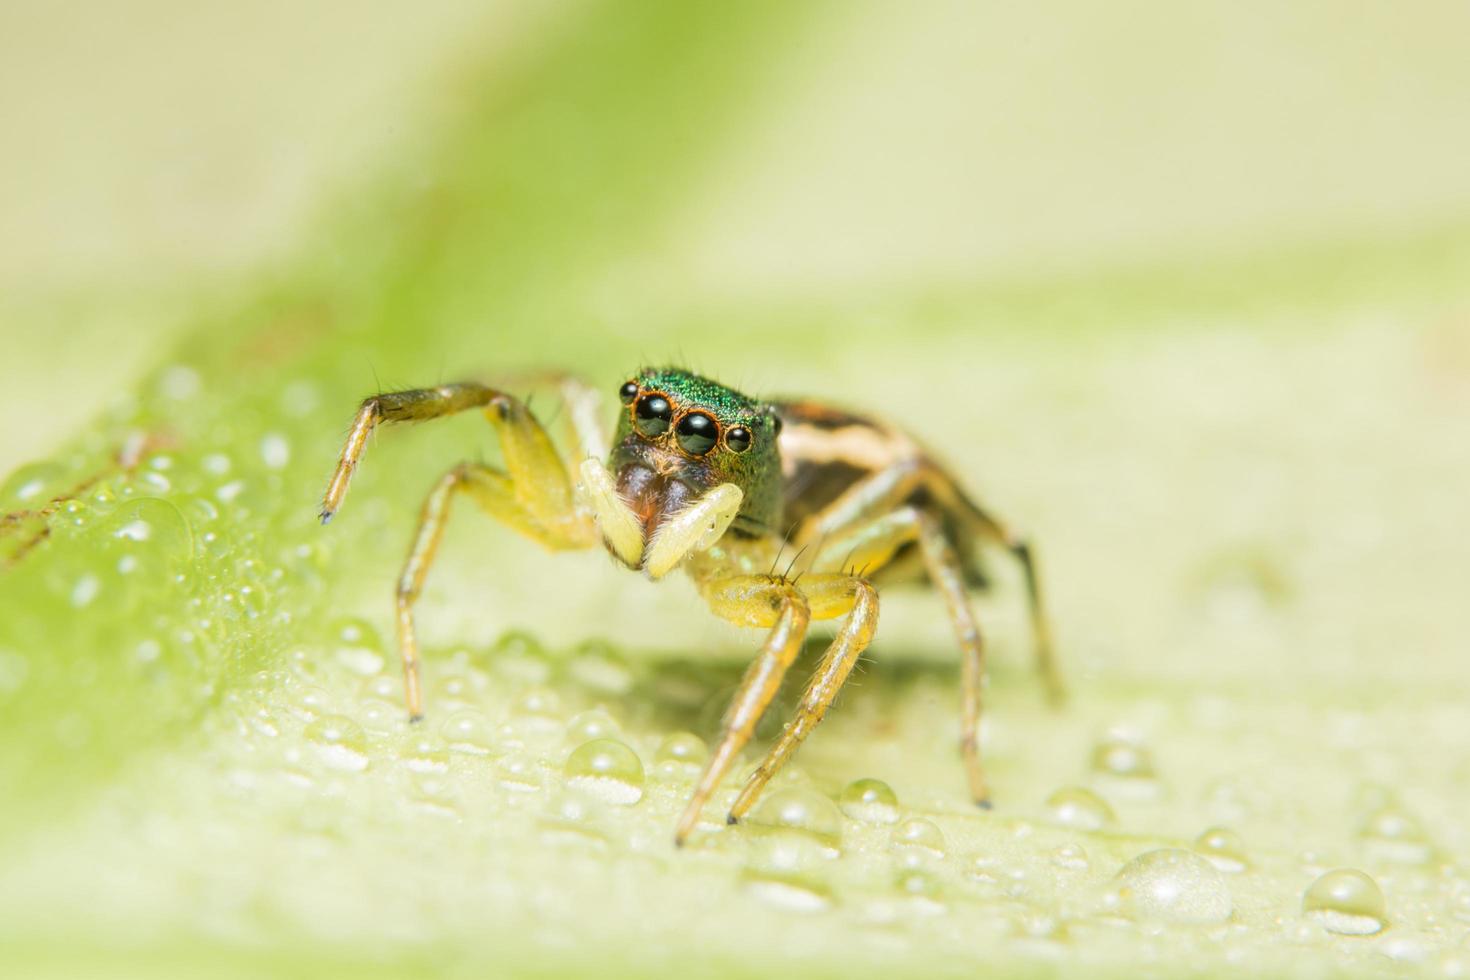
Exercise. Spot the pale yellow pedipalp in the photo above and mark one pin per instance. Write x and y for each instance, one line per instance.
(692, 529)
(619, 525)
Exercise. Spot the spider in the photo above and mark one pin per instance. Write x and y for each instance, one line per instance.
(702, 478)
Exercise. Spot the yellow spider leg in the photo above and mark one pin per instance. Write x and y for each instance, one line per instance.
(417, 405)
(749, 600)
(875, 542)
(830, 596)
(496, 494)
(886, 489)
(534, 497)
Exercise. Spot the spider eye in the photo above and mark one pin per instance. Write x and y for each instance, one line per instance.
(697, 433)
(738, 439)
(628, 392)
(652, 415)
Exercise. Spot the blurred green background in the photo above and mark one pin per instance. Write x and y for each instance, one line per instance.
(1183, 290)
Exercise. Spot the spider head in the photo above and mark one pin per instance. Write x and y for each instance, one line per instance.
(681, 436)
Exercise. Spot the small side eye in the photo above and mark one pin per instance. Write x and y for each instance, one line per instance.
(697, 433)
(628, 392)
(652, 415)
(778, 424)
(738, 439)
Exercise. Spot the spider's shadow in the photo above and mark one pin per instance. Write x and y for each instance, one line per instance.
(677, 691)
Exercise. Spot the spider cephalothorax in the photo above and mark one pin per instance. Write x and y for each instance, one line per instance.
(681, 436)
(702, 478)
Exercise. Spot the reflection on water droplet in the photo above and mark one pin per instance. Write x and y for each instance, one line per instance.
(1393, 834)
(589, 725)
(1172, 885)
(871, 801)
(468, 732)
(916, 832)
(802, 810)
(1347, 902)
(607, 769)
(340, 743)
(1223, 848)
(1079, 808)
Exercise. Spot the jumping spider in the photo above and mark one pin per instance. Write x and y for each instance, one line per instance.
(703, 478)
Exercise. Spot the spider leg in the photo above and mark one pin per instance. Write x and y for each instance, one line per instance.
(830, 596)
(873, 544)
(534, 494)
(749, 600)
(893, 485)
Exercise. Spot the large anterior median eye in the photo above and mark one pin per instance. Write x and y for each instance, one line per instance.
(652, 415)
(697, 433)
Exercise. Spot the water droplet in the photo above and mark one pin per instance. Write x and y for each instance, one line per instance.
(357, 646)
(1393, 834)
(1122, 758)
(606, 769)
(468, 732)
(520, 773)
(340, 742)
(1172, 885)
(1347, 902)
(29, 487)
(684, 748)
(519, 656)
(1223, 848)
(574, 817)
(786, 868)
(1079, 808)
(179, 383)
(802, 810)
(311, 702)
(537, 712)
(871, 801)
(423, 755)
(384, 688)
(275, 451)
(381, 717)
(922, 888)
(215, 464)
(597, 666)
(455, 691)
(85, 590)
(590, 725)
(916, 832)
(1071, 857)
